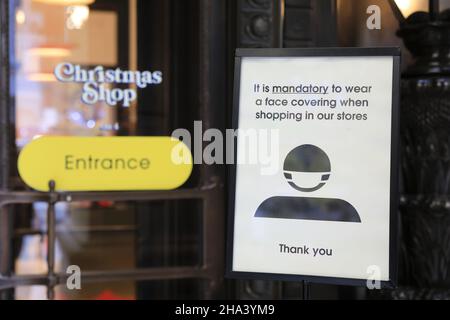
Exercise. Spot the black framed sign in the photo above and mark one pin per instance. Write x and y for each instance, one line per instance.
(313, 188)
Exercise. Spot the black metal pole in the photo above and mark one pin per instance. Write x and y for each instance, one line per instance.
(4, 95)
(212, 106)
(51, 239)
(306, 290)
(279, 10)
(6, 255)
(434, 9)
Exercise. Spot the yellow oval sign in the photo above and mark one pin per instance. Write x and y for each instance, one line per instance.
(105, 163)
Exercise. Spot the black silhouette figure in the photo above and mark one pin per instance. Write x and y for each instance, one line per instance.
(311, 159)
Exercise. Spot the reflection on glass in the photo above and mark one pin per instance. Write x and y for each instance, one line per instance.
(49, 32)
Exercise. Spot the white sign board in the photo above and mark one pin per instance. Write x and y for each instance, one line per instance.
(313, 196)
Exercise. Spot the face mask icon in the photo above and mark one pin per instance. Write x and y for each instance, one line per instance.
(307, 168)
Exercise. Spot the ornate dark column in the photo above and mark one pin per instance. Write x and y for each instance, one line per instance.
(259, 23)
(425, 131)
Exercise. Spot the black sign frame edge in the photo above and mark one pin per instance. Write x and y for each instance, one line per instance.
(393, 52)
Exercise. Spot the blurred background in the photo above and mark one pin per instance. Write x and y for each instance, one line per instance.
(193, 43)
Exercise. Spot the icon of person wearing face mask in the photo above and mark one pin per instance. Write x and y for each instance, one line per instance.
(307, 168)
